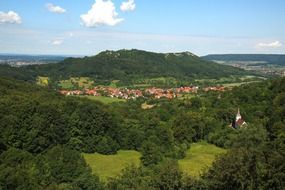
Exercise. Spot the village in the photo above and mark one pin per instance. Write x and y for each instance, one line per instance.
(125, 93)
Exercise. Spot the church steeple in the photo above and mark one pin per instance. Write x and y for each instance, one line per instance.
(238, 116)
(238, 122)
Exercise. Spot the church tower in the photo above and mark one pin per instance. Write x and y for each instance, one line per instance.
(238, 122)
(238, 116)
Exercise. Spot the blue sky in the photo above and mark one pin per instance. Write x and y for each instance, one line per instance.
(87, 27)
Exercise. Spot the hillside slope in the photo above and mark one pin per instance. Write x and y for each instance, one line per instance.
(126, 65)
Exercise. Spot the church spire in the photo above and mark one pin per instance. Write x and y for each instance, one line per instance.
(238, 116)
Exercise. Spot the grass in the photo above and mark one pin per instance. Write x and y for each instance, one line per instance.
(106, 166)
(81, 82)
(66, 84)
(103, 99)
(155, 81)
(146, 106)
(186, 96)
(199, 158)
(232, 81)
(238, 84)
(113, 83)
(42, 81)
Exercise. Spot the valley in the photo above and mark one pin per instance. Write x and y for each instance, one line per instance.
(142, 95)
(198, 158)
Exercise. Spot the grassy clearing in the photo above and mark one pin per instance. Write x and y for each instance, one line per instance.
(43, 81)
(238, 84)
(186, 96)
(199, 157)
(146, 106)
(74, 82)
(169, 81)
(231, 81)
(103, 99)
(106, 166)
(113, 83)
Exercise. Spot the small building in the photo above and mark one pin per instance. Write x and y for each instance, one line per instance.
(238, 122)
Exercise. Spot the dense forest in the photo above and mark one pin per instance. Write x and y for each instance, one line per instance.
(126, 66)
(42, 136)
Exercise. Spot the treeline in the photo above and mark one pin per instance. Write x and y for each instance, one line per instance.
(35, 119)
(274, 59)
(44, 133)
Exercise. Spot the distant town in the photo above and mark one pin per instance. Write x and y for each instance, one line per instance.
(125, 93)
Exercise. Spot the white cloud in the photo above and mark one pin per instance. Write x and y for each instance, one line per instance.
(103, 12)
(55, 9)
(275, 44)
(10, 18)
(57, 42)
(128, 5)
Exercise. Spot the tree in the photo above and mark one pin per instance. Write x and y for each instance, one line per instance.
(106, 145)
(151, 154)
(18, 170)
(133, 178)
(169, 176)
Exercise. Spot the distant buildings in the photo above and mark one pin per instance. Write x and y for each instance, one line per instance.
(125, 93)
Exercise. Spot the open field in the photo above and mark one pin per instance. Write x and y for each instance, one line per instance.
(231, 81)
(186, 96)
(42, 81)
(237, 84)
(159, 81)
(113, 83)
(74, 82)
(106, 166)
(199, 157)
(103, 99)
(146, 106)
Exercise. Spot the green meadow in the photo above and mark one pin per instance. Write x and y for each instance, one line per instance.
(43, 81)
(74, 82)
(103, 99)
(199, 158)
(106, 166)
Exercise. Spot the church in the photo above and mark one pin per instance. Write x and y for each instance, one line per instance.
(238, 122)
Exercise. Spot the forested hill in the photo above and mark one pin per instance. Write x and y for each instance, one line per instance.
(136, 64)
(275, 59)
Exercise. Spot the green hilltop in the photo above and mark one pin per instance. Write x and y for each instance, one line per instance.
(128, 66)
